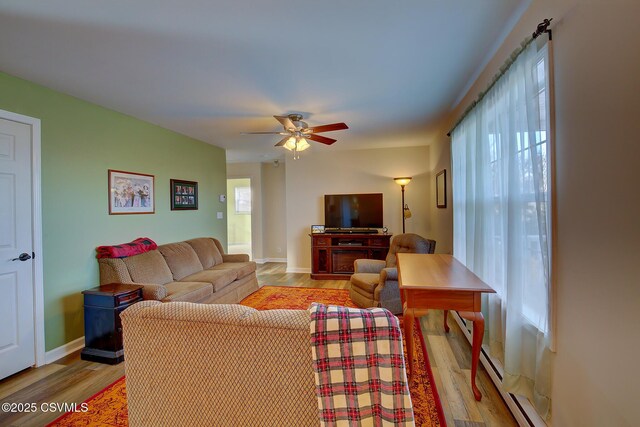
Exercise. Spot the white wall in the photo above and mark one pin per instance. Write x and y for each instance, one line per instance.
(274, 215)
(358, 171)
(597, 93)
(441, 218)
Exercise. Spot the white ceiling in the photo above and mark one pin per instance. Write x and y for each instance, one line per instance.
(211, 69)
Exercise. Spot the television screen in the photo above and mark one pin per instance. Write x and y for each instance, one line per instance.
(353, 210)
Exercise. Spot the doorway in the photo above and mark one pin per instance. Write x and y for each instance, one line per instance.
(21, 308)
(239, 210)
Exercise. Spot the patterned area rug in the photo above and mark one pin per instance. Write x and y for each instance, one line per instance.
(109, 406)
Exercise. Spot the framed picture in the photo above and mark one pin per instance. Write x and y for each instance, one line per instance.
(316, 229)
(184, 195)
(131, 193)
(441, 189)
(243, 200)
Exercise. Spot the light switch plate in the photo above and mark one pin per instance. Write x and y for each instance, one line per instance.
(219, 215)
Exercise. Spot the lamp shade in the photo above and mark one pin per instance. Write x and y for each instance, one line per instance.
(290, 144)
(406, 212)
(303, 144)
(402, 180)
(299, 144)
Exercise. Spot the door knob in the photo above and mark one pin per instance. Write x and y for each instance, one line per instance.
(23, 257)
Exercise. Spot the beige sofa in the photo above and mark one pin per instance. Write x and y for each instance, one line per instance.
(195, 270)
(218, 365)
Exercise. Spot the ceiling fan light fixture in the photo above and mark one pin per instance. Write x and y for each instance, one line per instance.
(296, 144)
(297, 132)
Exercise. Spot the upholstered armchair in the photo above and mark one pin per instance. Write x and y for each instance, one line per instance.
(375, 282)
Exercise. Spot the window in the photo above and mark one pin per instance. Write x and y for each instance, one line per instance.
(243, 200)
(501, 157)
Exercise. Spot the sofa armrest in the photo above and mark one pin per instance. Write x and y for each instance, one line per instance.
(152, 291)
(368, 265)
(390, 273)
(235, 258)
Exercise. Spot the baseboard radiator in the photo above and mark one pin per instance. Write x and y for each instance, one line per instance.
(520, 407)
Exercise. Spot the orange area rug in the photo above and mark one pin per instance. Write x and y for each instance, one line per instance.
(109, 406)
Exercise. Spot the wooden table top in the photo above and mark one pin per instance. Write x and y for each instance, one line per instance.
(112, 289)
(437, 272)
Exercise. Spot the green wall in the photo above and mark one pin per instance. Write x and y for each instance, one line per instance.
(80, 142)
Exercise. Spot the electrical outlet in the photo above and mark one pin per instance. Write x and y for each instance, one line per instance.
(219, 215)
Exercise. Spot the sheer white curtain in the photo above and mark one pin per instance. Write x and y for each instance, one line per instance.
(501, 156)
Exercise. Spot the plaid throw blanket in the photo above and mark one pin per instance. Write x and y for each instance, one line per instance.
(359, 367)
(138, 246)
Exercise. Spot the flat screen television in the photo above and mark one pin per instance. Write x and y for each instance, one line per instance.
(353, 210)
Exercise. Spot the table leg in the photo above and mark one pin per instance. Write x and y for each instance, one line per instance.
(409, 320)
(478, 334)
(446, 326)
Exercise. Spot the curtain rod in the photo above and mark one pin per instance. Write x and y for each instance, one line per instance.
(542, 28)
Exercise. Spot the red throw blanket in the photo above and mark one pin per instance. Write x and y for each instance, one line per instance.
(138, 246)
(359, 367)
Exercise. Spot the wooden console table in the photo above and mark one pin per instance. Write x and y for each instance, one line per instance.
(332, 255)
(441, 282)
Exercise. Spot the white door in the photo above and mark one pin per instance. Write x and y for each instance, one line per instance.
(17, 332)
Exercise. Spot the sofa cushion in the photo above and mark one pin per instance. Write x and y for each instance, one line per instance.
(218, 278)
(113, 270)
(187, 291)
(207, 251)
(149, 267)
(242, 268)
(181, 259)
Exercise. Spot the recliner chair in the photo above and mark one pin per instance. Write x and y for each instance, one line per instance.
(375, 282)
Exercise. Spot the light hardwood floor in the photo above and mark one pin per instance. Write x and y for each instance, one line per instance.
(71, 379)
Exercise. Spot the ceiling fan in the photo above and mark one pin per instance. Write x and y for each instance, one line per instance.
(296, 133)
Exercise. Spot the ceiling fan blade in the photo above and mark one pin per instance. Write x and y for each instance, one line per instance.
(282, 141)
(286, 122)
(321, 139)
(328, 128)
(263, 133)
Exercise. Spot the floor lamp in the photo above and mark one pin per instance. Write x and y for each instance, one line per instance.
(402, 181)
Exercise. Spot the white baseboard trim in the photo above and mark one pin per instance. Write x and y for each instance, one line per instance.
(275, 260)
(64, 350)
(298, 270)
(264, 260)
(520, 407)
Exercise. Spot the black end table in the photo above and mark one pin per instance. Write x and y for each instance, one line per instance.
(102, 327)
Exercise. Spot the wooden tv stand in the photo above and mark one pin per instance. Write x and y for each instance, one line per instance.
(332, 255)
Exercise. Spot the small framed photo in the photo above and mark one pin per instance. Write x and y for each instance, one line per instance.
(131, 193)
(441, 189)
(184, 195)
(316, 229)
